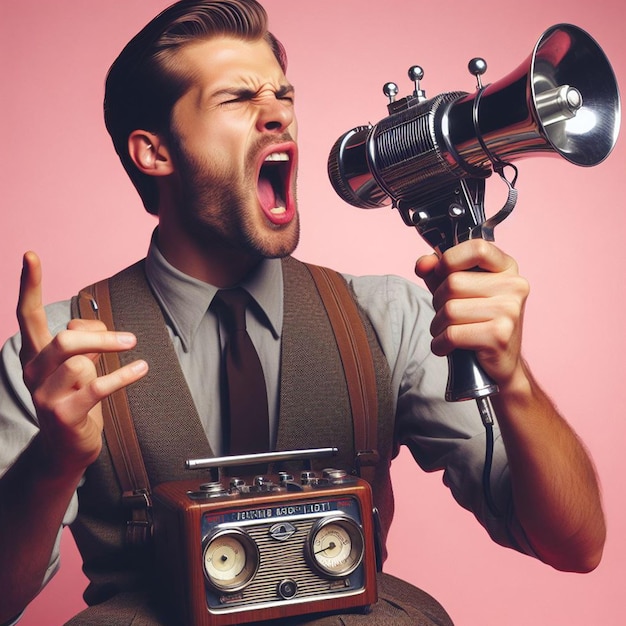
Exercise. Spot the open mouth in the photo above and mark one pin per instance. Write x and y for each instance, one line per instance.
(274, 185)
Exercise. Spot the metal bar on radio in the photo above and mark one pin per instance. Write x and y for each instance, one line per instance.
(262, 457)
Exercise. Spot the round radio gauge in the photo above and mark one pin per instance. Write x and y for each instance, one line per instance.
(230, 559)
(336, 546)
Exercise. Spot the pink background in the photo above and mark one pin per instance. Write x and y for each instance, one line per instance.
(65, 195)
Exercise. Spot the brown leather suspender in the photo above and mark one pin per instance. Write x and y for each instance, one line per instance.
(358, 365)
(94, 303)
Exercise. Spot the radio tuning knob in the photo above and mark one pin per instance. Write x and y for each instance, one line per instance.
(285, 477)
(213, 488)
(307, 477)
(262, 481)
(338, 476)
(236, 483)
(331, 472)
(287, 588)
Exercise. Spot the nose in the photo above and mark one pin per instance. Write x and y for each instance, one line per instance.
(275, 115)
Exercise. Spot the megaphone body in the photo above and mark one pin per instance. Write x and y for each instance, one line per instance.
(562, 101)
(430, 157)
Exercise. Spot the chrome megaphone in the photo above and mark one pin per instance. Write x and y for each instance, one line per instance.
(430, 157)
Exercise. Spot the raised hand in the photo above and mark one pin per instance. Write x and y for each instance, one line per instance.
(61, 376)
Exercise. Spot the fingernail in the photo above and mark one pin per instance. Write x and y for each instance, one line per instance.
(139, 367)
(126, 339)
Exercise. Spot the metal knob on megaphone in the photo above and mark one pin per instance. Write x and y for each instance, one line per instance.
(430, 158)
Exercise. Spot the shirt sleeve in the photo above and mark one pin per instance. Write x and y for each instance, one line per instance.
(18, 422)
(441, 435)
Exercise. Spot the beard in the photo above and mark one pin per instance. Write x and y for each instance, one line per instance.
(218, 207)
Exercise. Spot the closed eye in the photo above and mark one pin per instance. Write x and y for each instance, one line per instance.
(286, 92)
(236, 96)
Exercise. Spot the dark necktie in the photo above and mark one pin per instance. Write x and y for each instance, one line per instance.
(245, 396)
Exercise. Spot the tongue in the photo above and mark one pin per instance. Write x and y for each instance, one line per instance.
(266, 194)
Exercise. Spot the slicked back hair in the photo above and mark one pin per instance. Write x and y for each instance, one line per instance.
(144, 82)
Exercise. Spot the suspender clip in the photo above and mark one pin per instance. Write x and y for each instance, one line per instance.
(139, 528)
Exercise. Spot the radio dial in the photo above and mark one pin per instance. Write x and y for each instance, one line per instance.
(336, 546)
(230, 560)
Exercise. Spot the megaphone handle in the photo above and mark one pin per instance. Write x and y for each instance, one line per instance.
(459, 215)
(466, 378)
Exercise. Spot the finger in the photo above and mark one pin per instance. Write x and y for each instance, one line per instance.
(86, 398)
(484, 288)
(70, 412)
(74, 389)
(463, 285)
(425, 269)
(497, 345)
(473, 254)
(30, 311)
(456, 312)
(72, 375)
(489, 337)
(451, 338)
(69, 343)
(88, 325)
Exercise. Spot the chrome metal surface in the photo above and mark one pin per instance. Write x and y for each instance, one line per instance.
(265, 457)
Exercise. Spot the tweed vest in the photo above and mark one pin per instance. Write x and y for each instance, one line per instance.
(314, 412)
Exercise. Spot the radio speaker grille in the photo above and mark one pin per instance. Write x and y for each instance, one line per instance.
(282, 560)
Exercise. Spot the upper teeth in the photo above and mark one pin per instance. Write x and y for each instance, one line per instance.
(277, 156)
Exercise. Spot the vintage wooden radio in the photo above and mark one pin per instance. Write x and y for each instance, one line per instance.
(237, 550)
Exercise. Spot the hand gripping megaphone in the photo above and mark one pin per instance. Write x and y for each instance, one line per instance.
(430, 158)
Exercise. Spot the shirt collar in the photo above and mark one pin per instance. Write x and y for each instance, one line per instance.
(185, 300)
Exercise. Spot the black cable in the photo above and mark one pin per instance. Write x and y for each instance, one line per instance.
(487, 471)
(484, 408)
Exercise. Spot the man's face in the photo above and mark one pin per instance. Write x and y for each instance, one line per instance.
(234, 152)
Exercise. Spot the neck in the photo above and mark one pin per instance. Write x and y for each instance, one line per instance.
(213, 262)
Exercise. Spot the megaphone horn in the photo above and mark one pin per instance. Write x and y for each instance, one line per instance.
(563, 99)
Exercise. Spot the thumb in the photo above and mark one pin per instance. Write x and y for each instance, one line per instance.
(425, 269)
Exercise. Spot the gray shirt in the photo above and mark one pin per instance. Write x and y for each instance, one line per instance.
(440, 435)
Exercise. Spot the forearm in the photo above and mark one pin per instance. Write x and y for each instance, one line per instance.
(555, 489)
(34, 501)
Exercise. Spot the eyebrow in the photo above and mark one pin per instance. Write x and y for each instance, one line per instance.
(245, 92)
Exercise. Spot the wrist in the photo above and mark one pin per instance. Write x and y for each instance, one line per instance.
(57, 465)
(519, 390)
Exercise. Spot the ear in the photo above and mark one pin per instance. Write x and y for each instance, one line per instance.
(149, 153)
